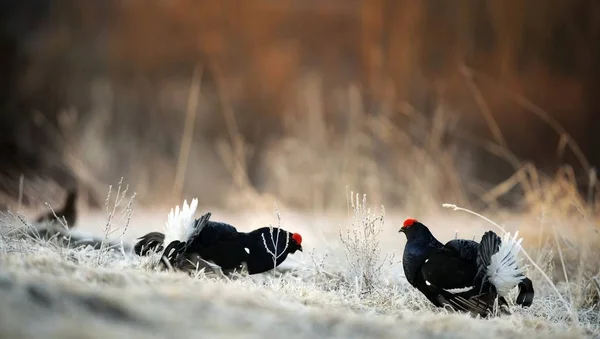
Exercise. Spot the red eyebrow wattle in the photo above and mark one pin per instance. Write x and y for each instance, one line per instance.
(409, 222)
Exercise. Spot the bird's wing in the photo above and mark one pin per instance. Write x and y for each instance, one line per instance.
(445, 270)
(222, 227)
(216, 241)
(212, 233)
(228, 251)
(453, 279)
(465, 249)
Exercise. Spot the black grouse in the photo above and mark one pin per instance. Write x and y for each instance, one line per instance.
(68, 211)
(464, 274)
(218, 242)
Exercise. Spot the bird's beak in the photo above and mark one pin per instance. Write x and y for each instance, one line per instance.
(300, 248)
(401, 230)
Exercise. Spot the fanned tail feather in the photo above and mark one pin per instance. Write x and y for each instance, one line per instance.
(180, 223)
(176, 252)
(198, 226)
(498, 259)
(489, 245)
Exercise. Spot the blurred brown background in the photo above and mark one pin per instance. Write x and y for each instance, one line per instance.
(290, 101)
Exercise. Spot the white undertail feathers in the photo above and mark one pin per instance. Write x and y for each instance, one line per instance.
(180, 223)
(504, 270)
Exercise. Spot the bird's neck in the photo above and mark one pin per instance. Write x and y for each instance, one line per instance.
(419, 248)
(70, 202)
(424, 238)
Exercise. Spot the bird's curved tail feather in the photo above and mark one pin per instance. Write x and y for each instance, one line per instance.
(526, 293)
(150, 242)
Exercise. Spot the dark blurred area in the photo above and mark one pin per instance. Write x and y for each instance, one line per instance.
(91, 91)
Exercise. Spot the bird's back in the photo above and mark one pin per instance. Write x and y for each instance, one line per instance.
(222, 244)
(465, 249)
(215, 231)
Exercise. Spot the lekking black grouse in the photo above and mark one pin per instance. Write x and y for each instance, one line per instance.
(218, 242)
(67, 213)
(464, 274)
(49, 228)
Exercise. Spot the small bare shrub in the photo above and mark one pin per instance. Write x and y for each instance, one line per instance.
(126, 214)
(275, 239)
(361, 244)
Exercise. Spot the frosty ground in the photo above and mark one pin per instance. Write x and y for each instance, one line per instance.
(52, 292)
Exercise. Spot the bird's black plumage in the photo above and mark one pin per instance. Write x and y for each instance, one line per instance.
(526, 292)
(151, 242)
(218, 242)
(455, 273)
(279, 244)
(222, 244)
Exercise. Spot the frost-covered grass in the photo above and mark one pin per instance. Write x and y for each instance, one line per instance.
(347, 284)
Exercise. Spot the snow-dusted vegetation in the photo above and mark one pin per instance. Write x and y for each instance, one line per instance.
(348, 283)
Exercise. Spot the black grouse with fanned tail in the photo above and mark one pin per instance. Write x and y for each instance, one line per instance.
(222, 244)
(464, 274)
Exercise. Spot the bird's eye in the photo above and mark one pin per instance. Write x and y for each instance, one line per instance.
(247, 250)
